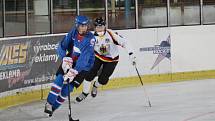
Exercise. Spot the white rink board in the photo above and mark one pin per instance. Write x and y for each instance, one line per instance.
(191, 50)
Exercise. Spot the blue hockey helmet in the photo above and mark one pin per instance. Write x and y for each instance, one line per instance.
(81, 20)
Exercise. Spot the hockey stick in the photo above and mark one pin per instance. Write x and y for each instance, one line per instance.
(146, 95)
(69, 101)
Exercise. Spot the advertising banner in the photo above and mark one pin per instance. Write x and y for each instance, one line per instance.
(28, 61)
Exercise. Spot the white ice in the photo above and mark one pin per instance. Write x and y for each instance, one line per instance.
(178, 101)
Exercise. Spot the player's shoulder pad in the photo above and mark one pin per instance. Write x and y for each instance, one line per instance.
(110, 30)
(89, 34)
(72, 32)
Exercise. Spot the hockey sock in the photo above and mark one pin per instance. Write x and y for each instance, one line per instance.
(61, 98)
(86, 87)
(58, 102)
(55, 89)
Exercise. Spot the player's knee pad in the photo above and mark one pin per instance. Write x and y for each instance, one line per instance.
(89, 78)
(103, 80)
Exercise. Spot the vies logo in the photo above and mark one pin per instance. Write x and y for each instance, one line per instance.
(163, 51)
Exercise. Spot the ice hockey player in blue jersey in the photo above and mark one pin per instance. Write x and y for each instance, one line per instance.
(77, 53)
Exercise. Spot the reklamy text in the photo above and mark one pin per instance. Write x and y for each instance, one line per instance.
(45, 58)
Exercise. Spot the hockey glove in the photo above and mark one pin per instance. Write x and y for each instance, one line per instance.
(132, 58)
(67, 64)
(70, 75)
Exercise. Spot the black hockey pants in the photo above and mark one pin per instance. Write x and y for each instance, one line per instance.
(101, 69)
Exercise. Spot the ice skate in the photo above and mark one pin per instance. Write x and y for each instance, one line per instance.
(48, 109)
(81, 97)
(94, 91)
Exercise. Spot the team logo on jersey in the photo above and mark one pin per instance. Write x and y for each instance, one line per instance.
(104, 49)
(163, 51)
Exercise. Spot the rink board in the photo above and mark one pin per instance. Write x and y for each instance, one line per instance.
(163, 55)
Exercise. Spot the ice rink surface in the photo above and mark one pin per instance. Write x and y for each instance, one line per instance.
(178, 101)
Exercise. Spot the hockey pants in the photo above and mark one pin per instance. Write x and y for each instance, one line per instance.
(103, 73)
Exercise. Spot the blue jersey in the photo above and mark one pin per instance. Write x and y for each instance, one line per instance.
(82, 51)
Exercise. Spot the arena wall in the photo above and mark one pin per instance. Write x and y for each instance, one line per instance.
(28, 64)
